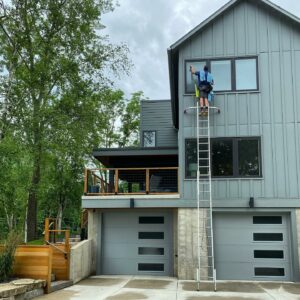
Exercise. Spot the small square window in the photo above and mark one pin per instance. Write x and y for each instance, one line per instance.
(149, 138)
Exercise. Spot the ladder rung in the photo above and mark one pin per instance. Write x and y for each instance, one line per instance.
(205, 158)
(203, 150)
(202, 167)
(202, 143)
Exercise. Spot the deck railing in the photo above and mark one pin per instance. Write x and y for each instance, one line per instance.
(138, 181)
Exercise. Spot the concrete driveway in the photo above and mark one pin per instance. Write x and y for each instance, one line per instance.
(166, 288)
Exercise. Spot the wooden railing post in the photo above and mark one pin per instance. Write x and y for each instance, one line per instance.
(46, 236)
(147, 181)
(85, 180)
(116, 181)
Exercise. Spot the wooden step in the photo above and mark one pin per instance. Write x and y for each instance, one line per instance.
(59, 285)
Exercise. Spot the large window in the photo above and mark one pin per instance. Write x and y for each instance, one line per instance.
(230, 157)
(232, 74)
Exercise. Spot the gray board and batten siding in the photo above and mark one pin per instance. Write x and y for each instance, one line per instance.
(156, 115)
(272, 113)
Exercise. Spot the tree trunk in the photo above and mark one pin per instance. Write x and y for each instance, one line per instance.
(59, 216)
(31, 220)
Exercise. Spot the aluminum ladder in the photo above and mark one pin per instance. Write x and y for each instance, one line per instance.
(205, 236)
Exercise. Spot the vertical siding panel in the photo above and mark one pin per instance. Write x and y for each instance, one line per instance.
(278, 148)
(239, 20)
(234, 189)
(286, 37)
(267, 161)
(218, 37)
(297, 80)
(207, 42)
(251, 42)
(288, 97)
(254, 108)
(220, 102)
(243, 110)
(273, 28)
(296, 38)
(264, 87)
(263, 30)
(245, 189)
(232, 116)
(275, 79)
(196, 47)
(229, 33)
(291, 156)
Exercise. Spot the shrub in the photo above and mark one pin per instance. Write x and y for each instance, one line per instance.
(7, 255)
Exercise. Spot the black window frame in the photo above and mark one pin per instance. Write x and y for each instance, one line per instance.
(144, 131)
(235, 156)
(188, 62)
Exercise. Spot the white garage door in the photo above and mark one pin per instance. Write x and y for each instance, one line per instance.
(252, 246)
(137, 242)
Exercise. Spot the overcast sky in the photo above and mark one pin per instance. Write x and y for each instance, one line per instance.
(149, 27)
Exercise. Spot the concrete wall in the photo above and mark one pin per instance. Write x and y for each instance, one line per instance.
(187, 244)
(81, 265)
(273, 112)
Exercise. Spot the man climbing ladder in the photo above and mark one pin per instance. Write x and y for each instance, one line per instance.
(204, 84)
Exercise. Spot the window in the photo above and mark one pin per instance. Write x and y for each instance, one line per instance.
(267, 237)
(269, 271)
(230, 157)
(151, 220)
(268, 253)
(151, 235)
(149, 138)
(233, 74)
(151, 251)
(151, 267)
(245, 70)
(221, 71)
(267, 220)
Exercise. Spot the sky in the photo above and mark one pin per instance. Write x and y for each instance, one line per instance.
(149, 27)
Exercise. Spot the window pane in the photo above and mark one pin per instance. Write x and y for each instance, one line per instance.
(151, 251)
(248, 157)
(190, 85)
(222, 158)
(267, 220)
(269, 271)
(151, 220)
(151, 267)
(221, 72)
(149, 138)
(191, 158)
(267, 237)
(151, 235)
(268, 253)
(246, 74)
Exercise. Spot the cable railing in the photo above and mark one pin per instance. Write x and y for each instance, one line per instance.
(133, 181)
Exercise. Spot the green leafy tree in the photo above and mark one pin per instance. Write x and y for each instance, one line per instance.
(53, 58)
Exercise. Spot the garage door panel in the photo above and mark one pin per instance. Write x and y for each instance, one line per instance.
(243, 249)
(132, 244)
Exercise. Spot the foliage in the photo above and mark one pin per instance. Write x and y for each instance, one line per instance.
(53, 61)
(7, 255)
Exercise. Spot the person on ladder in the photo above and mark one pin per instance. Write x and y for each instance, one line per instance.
(204, 84)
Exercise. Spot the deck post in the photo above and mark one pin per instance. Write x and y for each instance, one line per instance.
(85, 180)
(116, 181)
(147, 181)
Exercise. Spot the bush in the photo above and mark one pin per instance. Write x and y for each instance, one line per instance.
(7, 255)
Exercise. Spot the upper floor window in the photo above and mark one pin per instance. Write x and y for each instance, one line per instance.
(230, 157)
(149, 138)
(233, 74)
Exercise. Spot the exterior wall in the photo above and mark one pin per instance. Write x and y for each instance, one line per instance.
(187, 244)
(94, 234)
(157, 116)
(273, 113)
(81, 261)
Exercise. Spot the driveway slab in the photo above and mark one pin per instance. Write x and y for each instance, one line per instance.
(167, 288)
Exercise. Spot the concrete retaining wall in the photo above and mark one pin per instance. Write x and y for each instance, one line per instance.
(187, 244)
(81, 261)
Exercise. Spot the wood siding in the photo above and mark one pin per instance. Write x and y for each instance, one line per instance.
(273, 113)
(157, 116)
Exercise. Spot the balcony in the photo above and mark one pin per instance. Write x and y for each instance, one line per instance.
(131, 181)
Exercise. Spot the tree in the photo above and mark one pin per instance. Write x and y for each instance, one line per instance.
(53, 58)
(131, 121)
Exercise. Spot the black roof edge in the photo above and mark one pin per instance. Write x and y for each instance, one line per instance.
(173, 77)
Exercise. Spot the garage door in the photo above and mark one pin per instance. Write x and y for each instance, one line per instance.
(252, 246)
(137, 242)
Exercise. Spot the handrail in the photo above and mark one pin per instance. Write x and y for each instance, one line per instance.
(139, 181)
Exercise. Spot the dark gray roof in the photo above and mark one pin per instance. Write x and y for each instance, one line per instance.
(173, 49)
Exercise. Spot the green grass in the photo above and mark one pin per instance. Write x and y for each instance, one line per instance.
(36, 242)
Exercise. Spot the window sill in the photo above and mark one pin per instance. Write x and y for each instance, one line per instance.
(228, 178)
(228, 92)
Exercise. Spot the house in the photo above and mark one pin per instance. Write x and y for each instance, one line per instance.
(143, 207)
